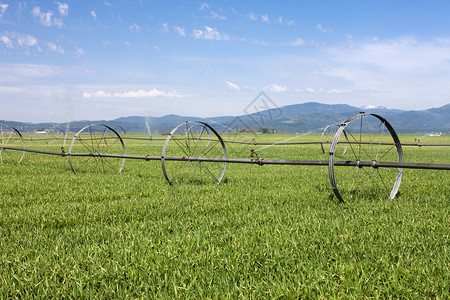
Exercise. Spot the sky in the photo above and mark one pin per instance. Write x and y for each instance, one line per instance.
(102, 59)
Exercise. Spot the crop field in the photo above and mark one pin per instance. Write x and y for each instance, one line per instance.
(265, 232)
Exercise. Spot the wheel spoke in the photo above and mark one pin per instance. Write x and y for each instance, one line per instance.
(374, 141)
(10, 137)
(386, 152)
(385, 187)
(196, 154)
(108, 163)
(359, 157)
(351, 144)
(209, 150)
(203, 167)
(86, 144)
(96, 140)
(197, 143)
(369, 177)
(110, 146)
(194, 166)
(360, 137)
(381, 139)
(86, 163)
(180, 145)
(180, 170)
(344, 177)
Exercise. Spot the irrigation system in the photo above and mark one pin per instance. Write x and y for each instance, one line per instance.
(365, 156)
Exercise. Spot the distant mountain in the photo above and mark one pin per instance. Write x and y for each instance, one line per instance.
(305, 117)
(424, 121)
(443, 109)
(316, 108)
(375, 107)
(381, 110)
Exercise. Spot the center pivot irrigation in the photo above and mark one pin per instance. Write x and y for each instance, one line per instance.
(365, 157)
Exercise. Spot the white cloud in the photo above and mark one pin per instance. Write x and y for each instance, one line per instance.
(63, 9)
(7, 41)
(26, 40)
(328, 91)
(265, 18)
(204, 6)
(209, 34)
(58, 22)
(134, 27)
(133, 94)
(97, 94)
(260, 42)
(404, 70)
(79, 51)
(297, 42)
(3, 8)
(403, 55)
(23, 40)
(320, 28)
(275, 88)
(94, 15)
(252, 16)
(54, 47)
(233, 86)
(371, 39)
(337, 91)
(22, 71)
(164, 27)
(215, 15)
(281, 20)
(179, 30)
(46, 19)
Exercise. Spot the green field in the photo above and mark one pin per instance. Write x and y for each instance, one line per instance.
(265, 232)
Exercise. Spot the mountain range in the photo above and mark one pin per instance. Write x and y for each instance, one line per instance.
(305, 117)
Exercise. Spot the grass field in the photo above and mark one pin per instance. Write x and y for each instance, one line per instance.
(265, 232)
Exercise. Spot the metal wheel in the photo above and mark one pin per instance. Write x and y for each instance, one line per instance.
(353, 172)
(88, 145)
(123, 133)
(327, 136)
(54, 135)
(11, 137)
(185, 144)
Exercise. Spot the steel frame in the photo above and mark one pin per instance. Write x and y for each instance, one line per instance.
(362, 156)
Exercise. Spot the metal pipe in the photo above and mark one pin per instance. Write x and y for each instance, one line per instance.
(374, 164)
(255, 143)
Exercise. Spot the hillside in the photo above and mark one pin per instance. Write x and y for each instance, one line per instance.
(305, 117)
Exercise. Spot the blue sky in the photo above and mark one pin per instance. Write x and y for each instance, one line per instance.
(88, 60)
